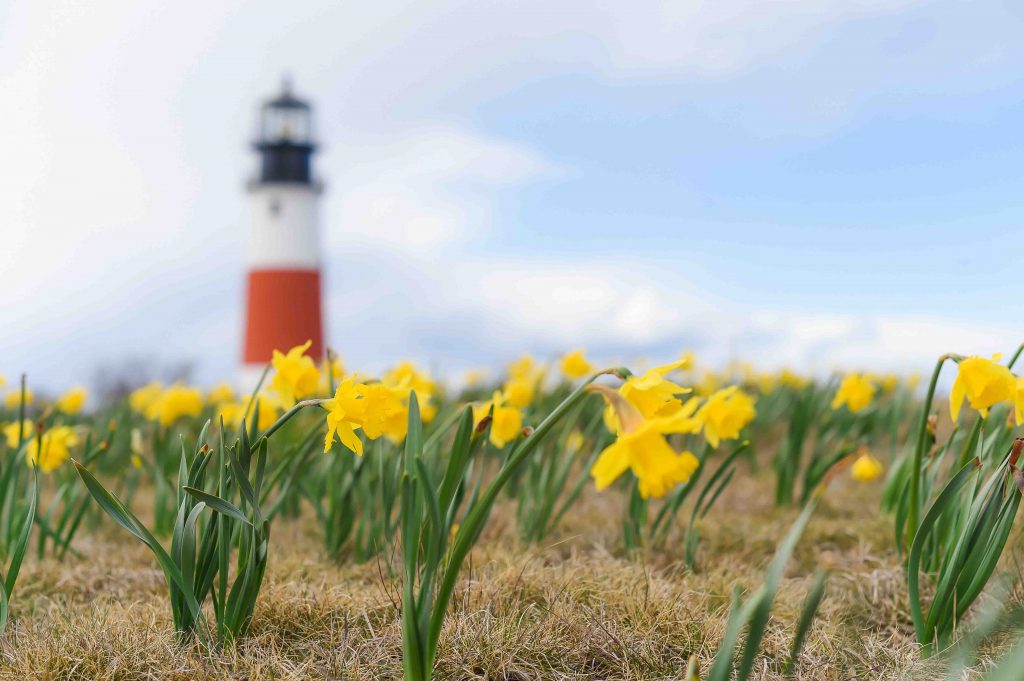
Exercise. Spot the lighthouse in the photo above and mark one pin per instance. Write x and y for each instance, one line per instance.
(282, 307)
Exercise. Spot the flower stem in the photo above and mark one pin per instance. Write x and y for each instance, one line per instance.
(922, 437)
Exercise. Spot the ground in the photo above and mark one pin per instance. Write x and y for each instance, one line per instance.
(574, 608)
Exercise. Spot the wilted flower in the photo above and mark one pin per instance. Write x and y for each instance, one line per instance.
(507, 421)
(576, 366)
(725, 414)
(295, 374)
(984, 382)
(866, 467)
(856, 392)
(72, 401)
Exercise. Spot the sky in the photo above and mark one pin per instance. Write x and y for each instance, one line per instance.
(819, 184)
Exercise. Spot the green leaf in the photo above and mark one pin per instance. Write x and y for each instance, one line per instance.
(218, 504)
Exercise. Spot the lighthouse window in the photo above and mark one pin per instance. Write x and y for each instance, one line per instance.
(275, 207)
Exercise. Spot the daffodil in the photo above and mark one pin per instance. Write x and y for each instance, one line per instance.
(405, 377)
(220, 394)
(575, 365)
(176, 402)
(1018, 400)
(11, 431)
(866, 467)
(385, 410)
(295, 374)
(507, 422)
(52, 449)
(641, 447)
(143, 398)
(345, 414)
(725, 413)
(524, 378)
(331, 373)
(270, 407)
(12, 400)
(791, 379)
(984, 382)
(520, 391)
(474, 377)
(72, 401)
(653, 394)
(855, 391)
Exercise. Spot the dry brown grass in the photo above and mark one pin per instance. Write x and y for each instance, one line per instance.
(575, 608)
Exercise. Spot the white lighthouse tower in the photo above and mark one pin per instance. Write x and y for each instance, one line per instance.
(283, 288)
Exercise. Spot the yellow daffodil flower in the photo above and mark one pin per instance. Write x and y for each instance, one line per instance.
(507, 422)
(1018, 400)
(654, 395)
(295, 374)
(520, 391)
(386, 410)
(984, 382)
(330, 373)
(866, 468)
(405, 377)
(176, 402)
(12, 400)
(855, 391)
(52, 449)
(345, 414)
(220, 394)
(143, 398)
(642, 448)
(725, 414)
(575, 365)
(474, 377)
(11, 431)
(72, 401)
(791, 379)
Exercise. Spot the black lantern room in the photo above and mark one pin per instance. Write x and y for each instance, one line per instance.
(284, 138)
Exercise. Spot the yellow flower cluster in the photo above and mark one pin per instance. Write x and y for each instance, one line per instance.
(166, 405)
(49, 450)
(645, 409)
(374, 408)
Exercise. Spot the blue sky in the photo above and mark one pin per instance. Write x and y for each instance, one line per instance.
(818, 183)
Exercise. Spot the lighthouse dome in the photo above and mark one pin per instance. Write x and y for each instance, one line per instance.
(285, 139)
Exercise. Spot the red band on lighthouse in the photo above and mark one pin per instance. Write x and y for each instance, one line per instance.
(282, 310)
(282, 307)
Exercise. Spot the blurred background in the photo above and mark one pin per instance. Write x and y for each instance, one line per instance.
(810, 183)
